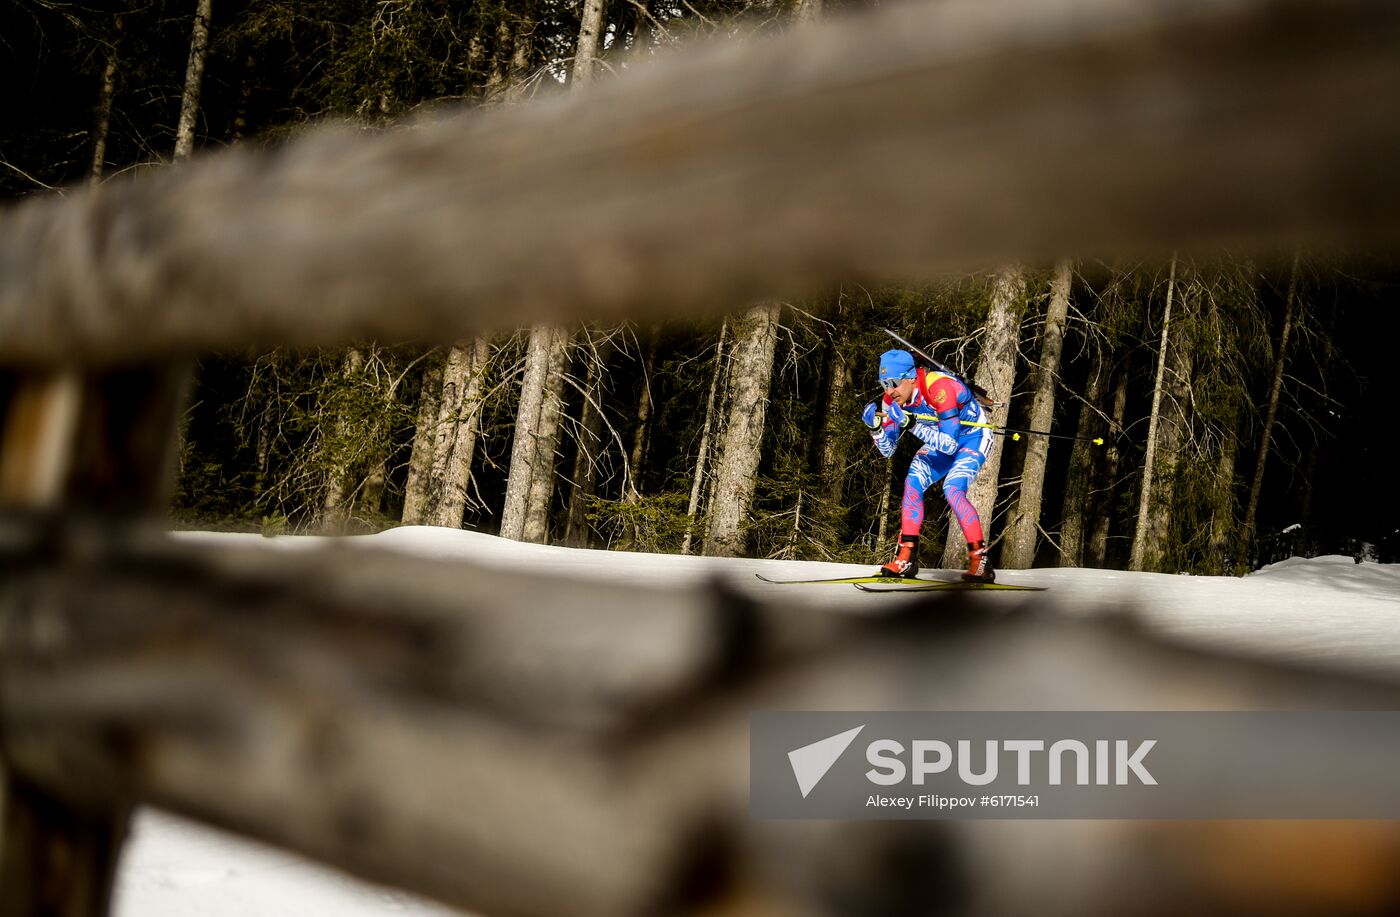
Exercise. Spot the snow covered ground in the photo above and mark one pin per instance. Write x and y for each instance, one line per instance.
(1327, 611)
(177, 868)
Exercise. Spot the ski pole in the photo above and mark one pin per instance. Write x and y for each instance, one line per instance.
(1016, 434)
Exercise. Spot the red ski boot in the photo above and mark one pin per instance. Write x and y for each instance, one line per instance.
(979, 565)
(906, 560)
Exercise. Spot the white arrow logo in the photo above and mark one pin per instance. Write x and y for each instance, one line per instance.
(811, 762)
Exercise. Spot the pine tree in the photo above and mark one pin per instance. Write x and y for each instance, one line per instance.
(525, 447)
(596, 352)
(996, 372)
(1275, 387)
(836, 422)
(702, 454)
(586, 54)
(548, 431)
(750, 371)
(443, 448)
(340, 484)
(107, 90)
(1168, 428)
(543, 429)
(425, 439)
(641, 433)
(194, 77)
(1081, 463)
(1023, 530)
(1096, 551)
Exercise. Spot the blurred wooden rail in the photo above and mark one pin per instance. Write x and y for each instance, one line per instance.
(926, 137)
(544, 748)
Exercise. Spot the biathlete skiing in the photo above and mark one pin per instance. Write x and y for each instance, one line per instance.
(939, 409)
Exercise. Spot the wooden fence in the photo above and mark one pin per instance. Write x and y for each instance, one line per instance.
(565, 747)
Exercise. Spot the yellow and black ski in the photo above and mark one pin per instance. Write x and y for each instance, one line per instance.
(851, 580)
(951, 586)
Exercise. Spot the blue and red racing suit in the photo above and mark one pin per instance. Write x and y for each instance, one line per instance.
(952, 450)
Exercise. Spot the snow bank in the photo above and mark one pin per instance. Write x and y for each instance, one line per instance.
(177, 868)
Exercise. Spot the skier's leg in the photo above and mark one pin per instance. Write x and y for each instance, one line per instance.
(966, 463)
(916, 483)
(911, 518)
(955, 487)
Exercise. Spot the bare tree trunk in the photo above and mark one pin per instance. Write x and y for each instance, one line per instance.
(420, 462)
(641, 438)
(1142, 532)
(102, 122)
(702, 456)
(750, 372)
(541, 500)
(996, 372)
(527, 427)
(590, 444)
(1097, 552)
(1023, 533)
(1271, 414)
(832, 456)
(642, 433)
(582, 74)
(459, 415)
(1173, 437)
(437, 488)
(1089, 484)
(1074, 519)
(1223, 560)
(335, 510)
(194, 76)
(723, 398)
(586, 56)
(535, 528)
(379, 433)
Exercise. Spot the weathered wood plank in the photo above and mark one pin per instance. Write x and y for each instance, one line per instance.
(918, 139)
(404, 721)
(57, 859)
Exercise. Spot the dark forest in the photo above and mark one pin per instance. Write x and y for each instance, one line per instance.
(1258, 382)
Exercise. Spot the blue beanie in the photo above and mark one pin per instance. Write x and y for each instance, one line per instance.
(896, 364)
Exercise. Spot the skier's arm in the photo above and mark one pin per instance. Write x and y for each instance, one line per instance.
(884, 432)
(936, 432)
